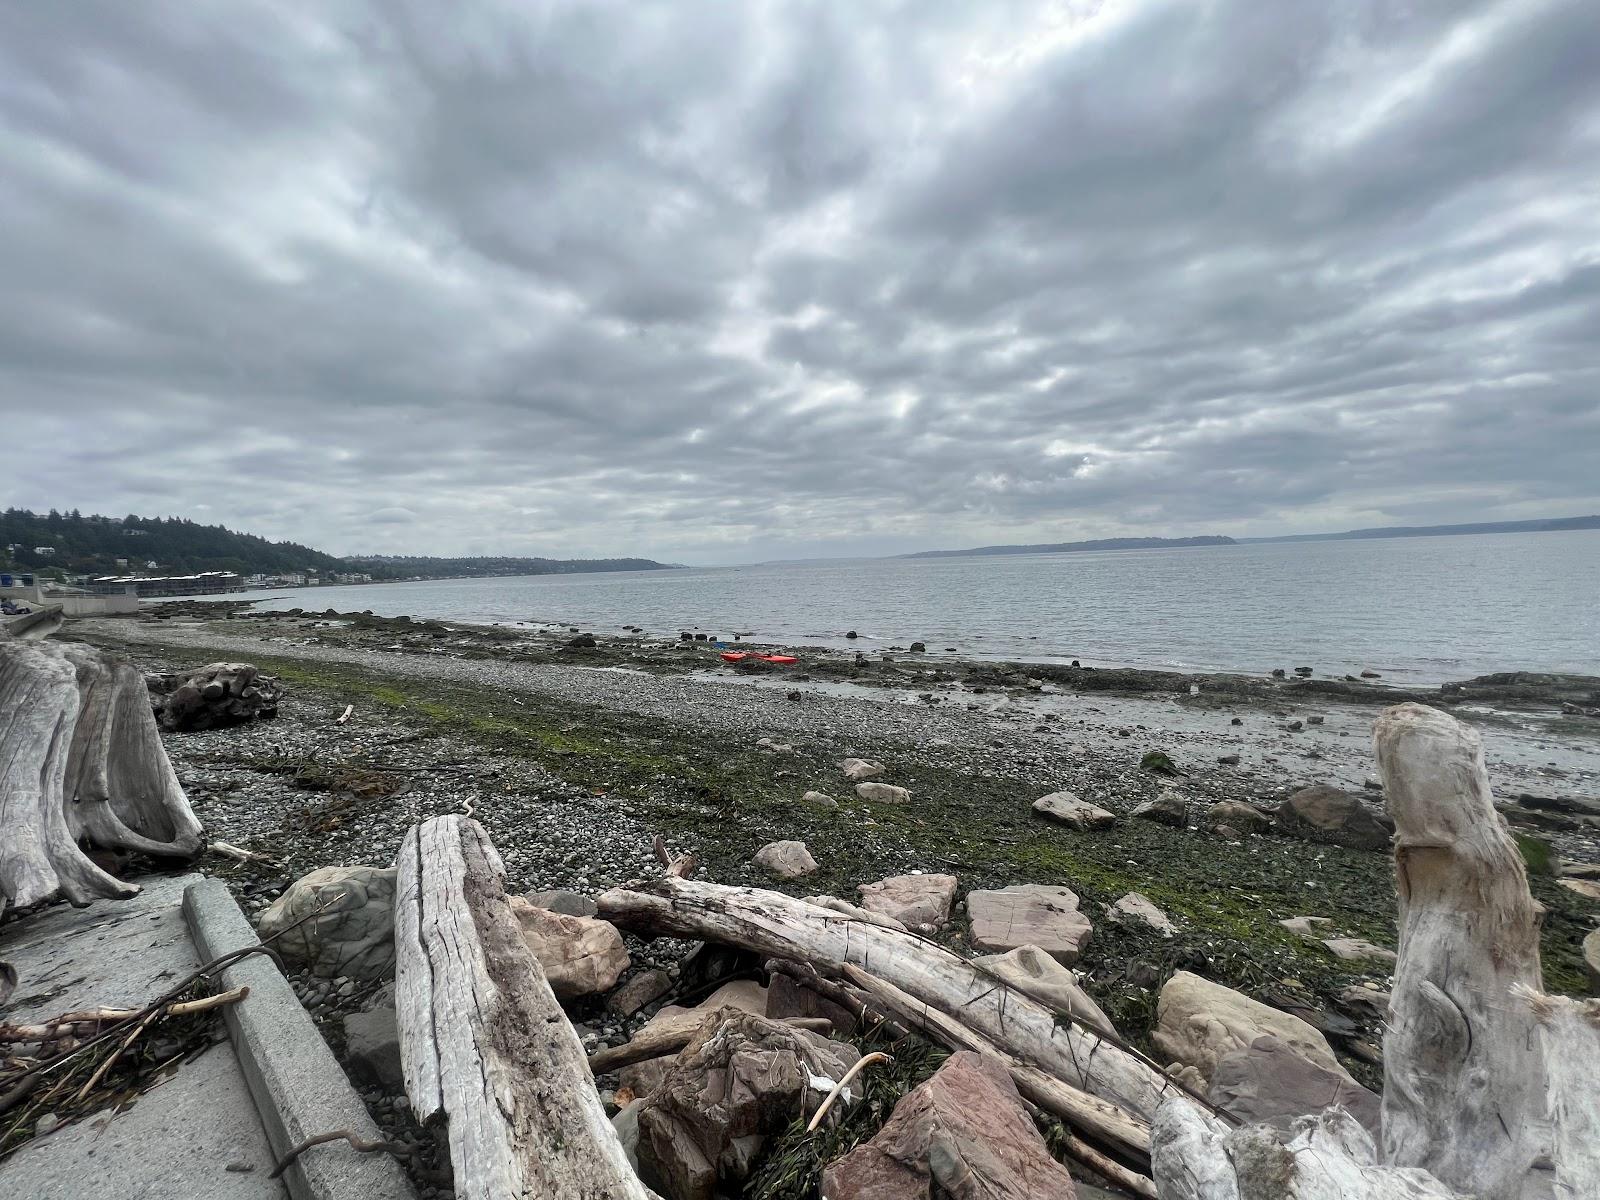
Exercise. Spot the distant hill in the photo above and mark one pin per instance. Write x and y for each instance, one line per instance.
(1127, 543)
(1550, 525)
(80, 545)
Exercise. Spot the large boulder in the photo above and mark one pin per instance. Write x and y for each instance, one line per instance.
(738, 1081)
(1322, 813)
(1136, 910)
(1034, 973)
(1069, 810)
(911, 899)
(213, 696)
(1268, 1083)
(352, 932)
(786, 860)
(581, 956)
(1029, 914)
(1169, 808)
(1198, 1022)
(966, 1122)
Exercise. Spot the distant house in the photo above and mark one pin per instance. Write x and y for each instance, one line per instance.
(204, 584)
(45, 551)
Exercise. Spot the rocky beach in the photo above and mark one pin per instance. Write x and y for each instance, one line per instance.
(1227, 827)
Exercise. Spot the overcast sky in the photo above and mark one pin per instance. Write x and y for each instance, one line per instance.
(727, 281)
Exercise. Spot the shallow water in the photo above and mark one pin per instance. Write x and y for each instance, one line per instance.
(1419, 610)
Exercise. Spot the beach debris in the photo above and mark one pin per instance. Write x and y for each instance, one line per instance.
(214, 696)
(1029, 914)
(1068, 809)
(579, 956)
(1323, 813)
(786, 859)
(921, 901)
(337, 921)
(883, 793)
(966, 1120)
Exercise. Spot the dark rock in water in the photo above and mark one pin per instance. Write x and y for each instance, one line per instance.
(1370, 675)
(686, 637)
(852, 635)
(1237, 721)
(1279, 673)
(584, 641)
(1313, 720)
(1295, 726)
(918, 648)
(1228, 760)
(699, 637)
(1159, 762)
(1321, 813)
(1303, 672)
(797, 695)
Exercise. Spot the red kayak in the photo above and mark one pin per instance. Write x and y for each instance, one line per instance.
(783, 660)
(735, 655)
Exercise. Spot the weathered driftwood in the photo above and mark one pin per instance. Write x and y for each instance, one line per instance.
(669, 1039)
(482, 1039)
(775, 924)
(1489, 1086)
(1466, 1091)
(80, 758)
(1098, 1117)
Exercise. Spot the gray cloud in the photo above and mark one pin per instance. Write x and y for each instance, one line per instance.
(714, 282)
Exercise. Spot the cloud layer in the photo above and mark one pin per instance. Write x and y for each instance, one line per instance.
(726, 281)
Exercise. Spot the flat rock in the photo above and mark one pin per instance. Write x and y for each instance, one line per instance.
(911, 899)
(1029, 914)
(857, 769)
(786, 860)
(1358, 950)
(1268, 1083)
(1169, 808)
(1589, 889)
(883, 793)
(1322, 813)
(1137, 909)
(581, 956)
(1034, 973)
(820, 799)
(352, 934)
(966, 1122)
(1069, 810)
(1591, 960)
(1198, 1022)
(744, 994)
(1246, 818)
(568, 904)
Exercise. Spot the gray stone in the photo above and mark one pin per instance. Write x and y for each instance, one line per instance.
(820, 799)
(568, 904)
(883, 793)
(744, 994)
(352, 932)
(786, 860)
(1070, 810)
(1029, 914)
(626, 1123)
(1137, 909)
(911, 899)
(1268, 1083)
(1326, 814)
(580, 955)
(1357, 950)
(1198, 1022)
(1169, 808)
(1311, 928)
(1591, 960)
(372, 1047)
(857, 769)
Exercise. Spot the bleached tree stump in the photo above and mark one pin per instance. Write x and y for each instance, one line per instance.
(483, 1041)
(80, 759)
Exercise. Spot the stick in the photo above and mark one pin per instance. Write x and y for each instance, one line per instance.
(1110, 1169)
(855, 1069)
(397, 1149)
(233, 852)
(343, 717)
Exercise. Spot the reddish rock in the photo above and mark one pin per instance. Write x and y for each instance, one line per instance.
(1029, 914)
(966, 1121)
(911, 899)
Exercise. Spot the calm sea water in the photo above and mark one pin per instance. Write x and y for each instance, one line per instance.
(1416, 609)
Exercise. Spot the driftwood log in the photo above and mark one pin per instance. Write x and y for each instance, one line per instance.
(483, 1041)
(80, 759)
(1490, 1088)
(775, 924)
